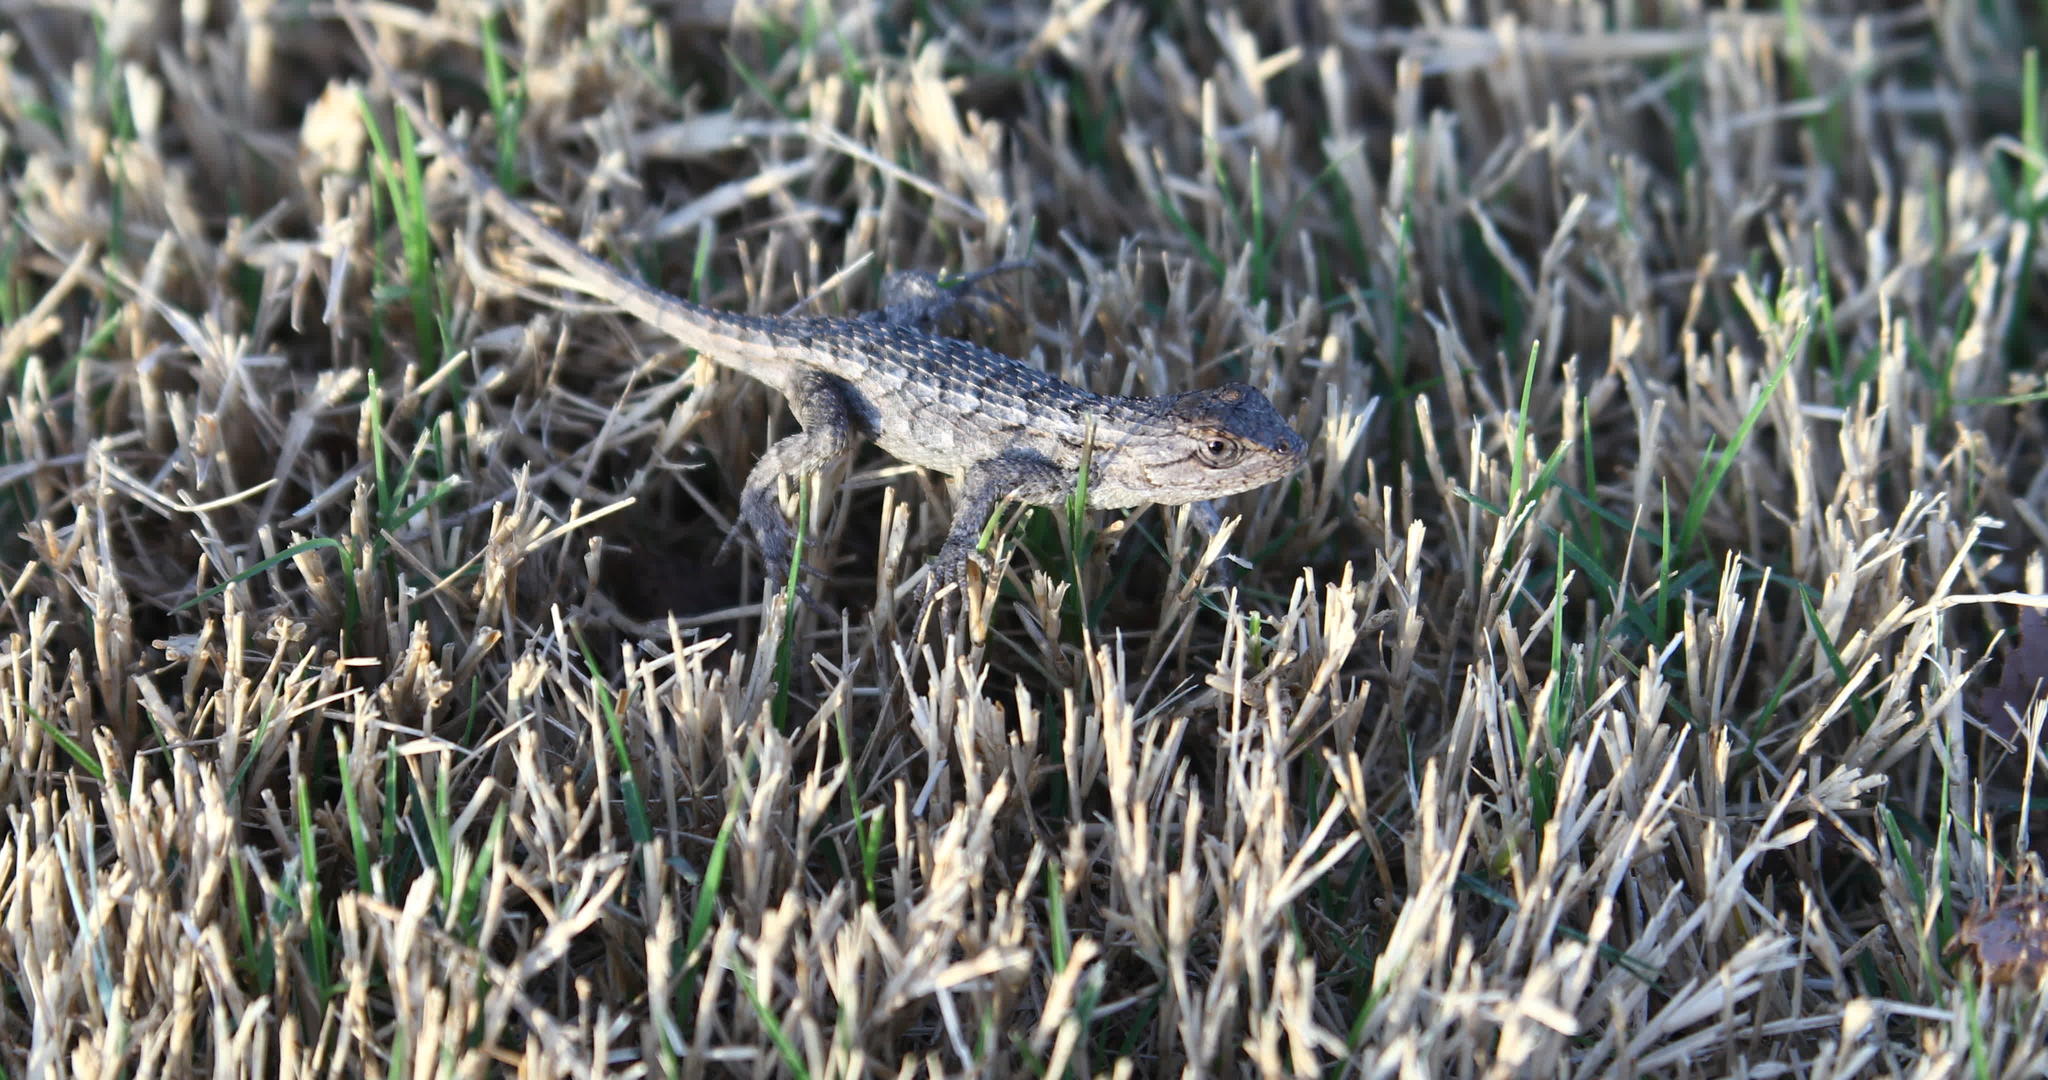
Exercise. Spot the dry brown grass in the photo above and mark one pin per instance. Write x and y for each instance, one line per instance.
(1626, 688)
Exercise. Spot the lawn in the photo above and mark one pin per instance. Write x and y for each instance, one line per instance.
(1641, 678)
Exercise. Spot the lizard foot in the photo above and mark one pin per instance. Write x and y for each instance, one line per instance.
(775, 542)
(1227, 568)
(948, 568)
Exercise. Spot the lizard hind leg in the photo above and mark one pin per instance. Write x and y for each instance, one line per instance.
(921, 300)
(828, 435)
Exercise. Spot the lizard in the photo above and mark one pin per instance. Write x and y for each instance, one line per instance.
(1005, 429)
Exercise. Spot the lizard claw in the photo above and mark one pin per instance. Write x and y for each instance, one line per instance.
(948, 569)
(1227, 568)
(732, 540)
(777, 548)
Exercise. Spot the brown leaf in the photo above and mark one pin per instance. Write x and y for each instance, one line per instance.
(2025, 669)
(2011, 940)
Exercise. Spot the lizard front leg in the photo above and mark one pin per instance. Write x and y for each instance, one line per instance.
(829, 434)
(1207, 519)
(1017, 474)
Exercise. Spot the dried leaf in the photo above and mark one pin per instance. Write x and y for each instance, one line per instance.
(2021, 678)
(2011, 940)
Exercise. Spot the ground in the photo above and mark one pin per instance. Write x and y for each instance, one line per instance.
(1640, 679)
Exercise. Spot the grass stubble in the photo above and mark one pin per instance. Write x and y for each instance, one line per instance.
(1628, 686)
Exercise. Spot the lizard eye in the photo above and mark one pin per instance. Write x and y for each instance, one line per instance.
(1220, 453)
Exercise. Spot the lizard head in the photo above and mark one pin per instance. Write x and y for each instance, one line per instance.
(1223, 440)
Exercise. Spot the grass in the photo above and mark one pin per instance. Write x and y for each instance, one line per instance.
(1619, 691)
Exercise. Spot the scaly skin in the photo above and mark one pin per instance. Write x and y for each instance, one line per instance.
(1007, 430)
